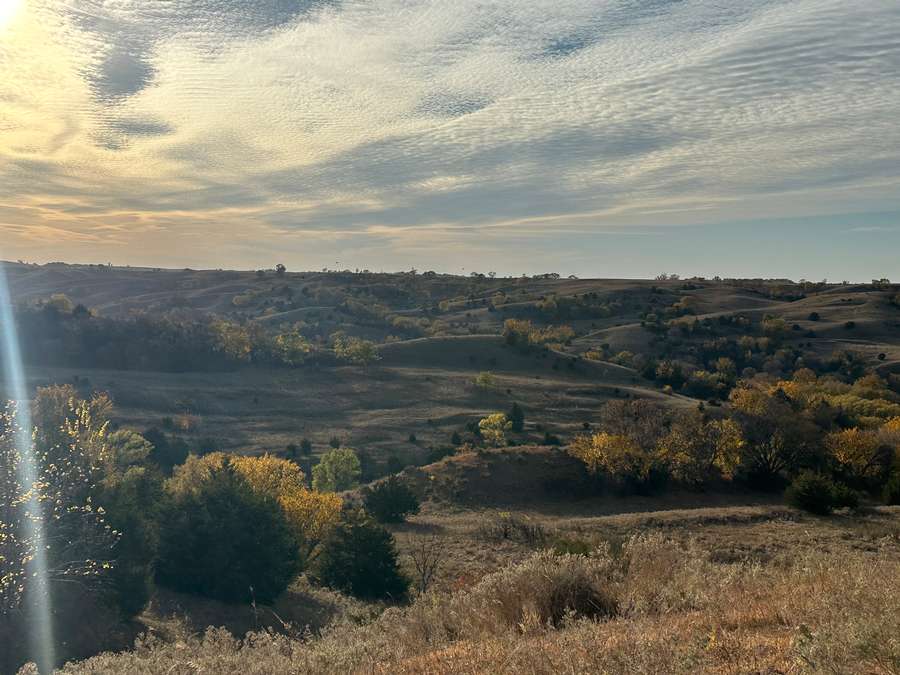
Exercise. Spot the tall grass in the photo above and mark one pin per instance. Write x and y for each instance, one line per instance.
(655, 606)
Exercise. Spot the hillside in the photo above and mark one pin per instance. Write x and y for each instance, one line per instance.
(435, 334)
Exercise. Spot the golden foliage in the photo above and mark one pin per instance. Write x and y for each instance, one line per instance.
(614, 454)
(270, 475)
(493, 429)
(78, 542)
(291, 348)
(233, 340)
(858, 451)
(310, 514)
(694, 447)
(355, 350)
(520, 331)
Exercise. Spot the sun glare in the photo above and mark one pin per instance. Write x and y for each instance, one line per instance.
(8, 9)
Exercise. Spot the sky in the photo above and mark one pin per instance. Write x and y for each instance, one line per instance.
(603, 138)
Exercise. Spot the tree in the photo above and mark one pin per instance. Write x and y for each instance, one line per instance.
(390, 501)
(290, 348)
(695, 448)
(98, 544)
(60, 303)
(132, 501)
(338, 470)
(615, 455)
(268, 475)
(359, 557)
(517, 418)
(166, 453)
(427, 557)
(280, 270)
(777, 438)
(224, 540)
(860, 454)
(355, 350)
(309, 514)
(493, 429)
(817, 493)
(79, 545)
(232, 340)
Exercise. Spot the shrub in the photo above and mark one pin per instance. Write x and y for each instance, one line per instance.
(517, 418)
(355, 350)
(485, 380)
(845, 497)
(571, 547)
(390, 501)
(132, 501)
(359, 557)
(543, 590)
(817, 493)
(338, 470)
(224, 540)
(551, 439)
(891, 493)
(493, 429)
(506, 526)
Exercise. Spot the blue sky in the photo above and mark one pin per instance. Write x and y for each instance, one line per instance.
(605, 138)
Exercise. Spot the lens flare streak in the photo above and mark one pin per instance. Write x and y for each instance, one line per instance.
(41, 629)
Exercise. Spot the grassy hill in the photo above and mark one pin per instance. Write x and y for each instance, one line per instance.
(435, 334)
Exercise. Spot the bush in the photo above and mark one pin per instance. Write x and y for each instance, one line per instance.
(390, 501)
(132, 503)
(817, 493)
(224, 540)
(891, 492)
(543, 590)
(517, 417)
(338, 470)
(493, 429)
(359, 557)
(506, 526)
(571, 547)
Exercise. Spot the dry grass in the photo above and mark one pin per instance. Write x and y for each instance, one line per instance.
(654, 605)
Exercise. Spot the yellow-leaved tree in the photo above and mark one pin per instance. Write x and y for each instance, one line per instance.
(616, 455)
(493, 429)
(695, 448)
(310, 514)
(860, 453)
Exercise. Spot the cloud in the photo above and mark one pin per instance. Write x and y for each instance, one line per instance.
(365, 118)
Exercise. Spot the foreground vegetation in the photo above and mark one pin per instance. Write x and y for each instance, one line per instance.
(653, 605)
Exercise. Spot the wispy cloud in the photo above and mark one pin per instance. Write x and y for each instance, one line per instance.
(140, 125)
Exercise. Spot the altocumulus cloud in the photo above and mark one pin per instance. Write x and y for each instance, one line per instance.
(387, 126)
